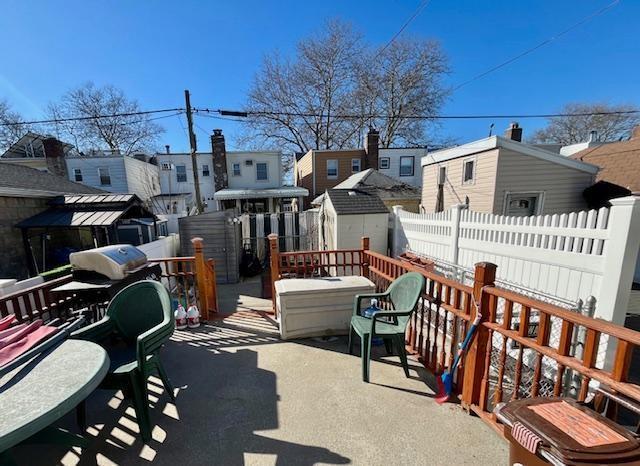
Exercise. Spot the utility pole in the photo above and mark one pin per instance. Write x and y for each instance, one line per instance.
(194, 148)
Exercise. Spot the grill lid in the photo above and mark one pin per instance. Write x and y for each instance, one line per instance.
(111, 261)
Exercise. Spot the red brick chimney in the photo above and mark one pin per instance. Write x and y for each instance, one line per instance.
(219, 151)
(54, 156)
(371, 148)
(514, 132)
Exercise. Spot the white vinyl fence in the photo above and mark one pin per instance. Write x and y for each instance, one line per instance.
(571, 256)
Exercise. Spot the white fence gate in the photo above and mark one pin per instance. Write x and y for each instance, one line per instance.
(571, 256)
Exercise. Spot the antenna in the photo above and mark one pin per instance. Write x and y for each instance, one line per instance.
(491, 129)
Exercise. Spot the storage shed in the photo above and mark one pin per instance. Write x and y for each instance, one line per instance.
(346, 215)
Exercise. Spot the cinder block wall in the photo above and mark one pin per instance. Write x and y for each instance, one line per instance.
(13, 263)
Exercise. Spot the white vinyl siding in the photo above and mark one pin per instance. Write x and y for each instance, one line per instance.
(265, 167)
(389, 164)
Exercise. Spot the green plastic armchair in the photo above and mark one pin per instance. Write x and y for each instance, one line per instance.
(402, 295)
(138, 321)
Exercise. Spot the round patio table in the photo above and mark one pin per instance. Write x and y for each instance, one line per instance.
(40, 392)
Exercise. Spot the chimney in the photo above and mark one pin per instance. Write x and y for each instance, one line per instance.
(219, 152)
(514, 132)
(167, 149)
(593, 136)
(54, 156)
(371, 149)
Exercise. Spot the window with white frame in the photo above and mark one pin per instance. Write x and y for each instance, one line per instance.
(181, 173)
(205, 170)
(236, 169)
(262, 173)
(442, 175)
(468, 171)
(332, 169)
(406, 166)
(105, 176)
(384, 163)
(77, 175)
(355, 165)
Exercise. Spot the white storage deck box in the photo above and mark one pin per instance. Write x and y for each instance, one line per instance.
(313, 307)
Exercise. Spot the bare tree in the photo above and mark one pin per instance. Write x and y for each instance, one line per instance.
(577, 128)
(12, 126)
(335, 87)
(126, 133)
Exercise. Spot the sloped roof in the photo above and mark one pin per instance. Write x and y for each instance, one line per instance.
(382, 185)
(25, 180)
(495, 142)
(619, 162)
(356, 201)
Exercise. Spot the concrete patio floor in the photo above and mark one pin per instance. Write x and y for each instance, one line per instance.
(246, 397)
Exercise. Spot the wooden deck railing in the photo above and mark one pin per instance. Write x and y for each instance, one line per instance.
(38, 302)
(523, 347)
(190, 279)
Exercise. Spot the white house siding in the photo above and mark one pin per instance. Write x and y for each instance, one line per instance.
(480, 191)
(143, 178)
(562, 186)
(89, 167)
(248, 173)
(169, 180)
(394, 164)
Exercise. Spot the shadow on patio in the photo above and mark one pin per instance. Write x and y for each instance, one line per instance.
(246, 397)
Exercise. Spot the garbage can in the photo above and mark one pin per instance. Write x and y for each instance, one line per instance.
(562, 431)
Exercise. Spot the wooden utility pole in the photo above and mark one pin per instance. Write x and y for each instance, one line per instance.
(194, 148)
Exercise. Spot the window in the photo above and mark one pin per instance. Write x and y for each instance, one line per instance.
(355, 165)
(236, 169)
(332, 169)
(261, 171)
(105, 177)
(181, 173)
(205, 170)
(384, 163)
(406, 166)
(442, 175)
(248, 163)
(77, 174)
(468, 171)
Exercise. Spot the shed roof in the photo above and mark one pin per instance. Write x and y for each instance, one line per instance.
(356, 201)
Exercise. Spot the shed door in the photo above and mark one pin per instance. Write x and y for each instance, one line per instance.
(522, 205)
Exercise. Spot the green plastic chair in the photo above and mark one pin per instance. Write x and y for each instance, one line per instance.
(390, 325)
(140, 320)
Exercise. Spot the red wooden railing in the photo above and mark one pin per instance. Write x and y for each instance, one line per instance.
(38, 302)
(190, 279)
(523, 348)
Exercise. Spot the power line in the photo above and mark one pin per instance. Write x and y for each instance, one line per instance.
(541, 44)
(415, 14)
(414, 117)
(96, 117)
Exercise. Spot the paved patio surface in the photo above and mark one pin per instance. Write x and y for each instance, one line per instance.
(246, 397)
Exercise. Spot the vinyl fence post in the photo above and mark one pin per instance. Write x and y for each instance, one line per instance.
(621, 251)
(475, 360)
(455, 232)
(396, 248)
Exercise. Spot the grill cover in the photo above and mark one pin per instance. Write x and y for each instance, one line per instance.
(113, 261)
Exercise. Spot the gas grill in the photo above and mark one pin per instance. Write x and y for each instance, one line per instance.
(98, 274)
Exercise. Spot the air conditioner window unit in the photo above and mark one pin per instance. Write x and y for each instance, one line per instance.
(248, 162)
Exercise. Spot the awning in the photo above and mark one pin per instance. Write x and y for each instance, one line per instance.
(62, 218)
(289, 191)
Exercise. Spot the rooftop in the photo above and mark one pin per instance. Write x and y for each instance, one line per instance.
(355, 201)
(246, 397)
(18, 180)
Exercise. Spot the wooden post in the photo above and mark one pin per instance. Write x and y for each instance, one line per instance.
(364, 245)
(212, 299)
(274, 257)
(201, 277)
(475, 360)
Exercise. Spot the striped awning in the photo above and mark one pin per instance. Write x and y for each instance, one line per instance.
(56, 218)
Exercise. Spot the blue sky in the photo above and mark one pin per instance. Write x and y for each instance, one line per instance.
(156, 49)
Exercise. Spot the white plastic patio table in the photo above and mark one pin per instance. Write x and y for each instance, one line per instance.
(37, 394)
